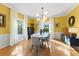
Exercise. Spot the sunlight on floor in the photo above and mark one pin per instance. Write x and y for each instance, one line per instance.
(63, 44)
(66, 48)
(18, 51)
(67, 53)
(55, 48)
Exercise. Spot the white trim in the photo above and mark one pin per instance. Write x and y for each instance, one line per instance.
(4, 40)
(58, 35)
(25, 33)
(51, 27)
(13, 27)
(14, 36)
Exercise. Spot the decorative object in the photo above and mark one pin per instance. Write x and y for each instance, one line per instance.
(73, 36)
(2, 20)
(71, 21)
(20, 28)
(73, 30)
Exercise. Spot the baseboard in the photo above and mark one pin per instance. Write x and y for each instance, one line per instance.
(58, 35)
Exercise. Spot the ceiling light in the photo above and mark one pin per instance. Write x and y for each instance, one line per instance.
(45, 12)
(42, 16)
(38, 19)
(37, 14)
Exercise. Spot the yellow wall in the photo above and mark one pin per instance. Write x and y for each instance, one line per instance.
(30, 22)
(6, 11)
(61, 22)
(64, 20)
(47, 20)
(75, 13)
(34, 22)
(37, 25)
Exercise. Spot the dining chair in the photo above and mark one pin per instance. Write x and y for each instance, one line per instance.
(35, 45)
(35, 42)
(46, 40)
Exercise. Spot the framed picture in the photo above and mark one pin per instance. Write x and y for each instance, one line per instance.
(2, 20)
(56, 24)
(71, 21)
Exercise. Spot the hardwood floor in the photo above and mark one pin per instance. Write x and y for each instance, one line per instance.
(24, 48)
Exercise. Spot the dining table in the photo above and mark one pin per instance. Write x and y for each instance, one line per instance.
(42, 37)
(38, 35)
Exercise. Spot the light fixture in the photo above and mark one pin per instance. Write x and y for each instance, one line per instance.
(45, 12)
(42, 16)
(38, 19)
(37, 14)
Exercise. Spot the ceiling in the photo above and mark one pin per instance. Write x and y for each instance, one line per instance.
(53, 9)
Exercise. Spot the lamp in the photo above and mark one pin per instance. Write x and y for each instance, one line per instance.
(73, 30)
(42, 16)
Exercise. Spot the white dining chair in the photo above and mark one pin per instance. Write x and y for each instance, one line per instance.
(48, 39)
(35, 42)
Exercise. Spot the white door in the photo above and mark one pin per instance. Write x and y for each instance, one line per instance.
(51, 28)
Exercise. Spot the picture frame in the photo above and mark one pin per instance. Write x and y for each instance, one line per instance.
(71, 21)
(2, 20)
(57, 25)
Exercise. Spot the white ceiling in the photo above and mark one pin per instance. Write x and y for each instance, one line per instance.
(54, 9)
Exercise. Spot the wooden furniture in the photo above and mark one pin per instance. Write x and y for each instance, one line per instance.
(30, 31)
(66, 31)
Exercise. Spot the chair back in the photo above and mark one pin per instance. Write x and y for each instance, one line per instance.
(35, 41)
(48, 37)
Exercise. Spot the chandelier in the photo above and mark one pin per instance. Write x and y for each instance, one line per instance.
(43, 15)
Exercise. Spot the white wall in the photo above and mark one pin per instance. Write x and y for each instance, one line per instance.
(58, 35)
(4, 40)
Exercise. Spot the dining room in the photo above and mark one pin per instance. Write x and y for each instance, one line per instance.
(39, 29)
